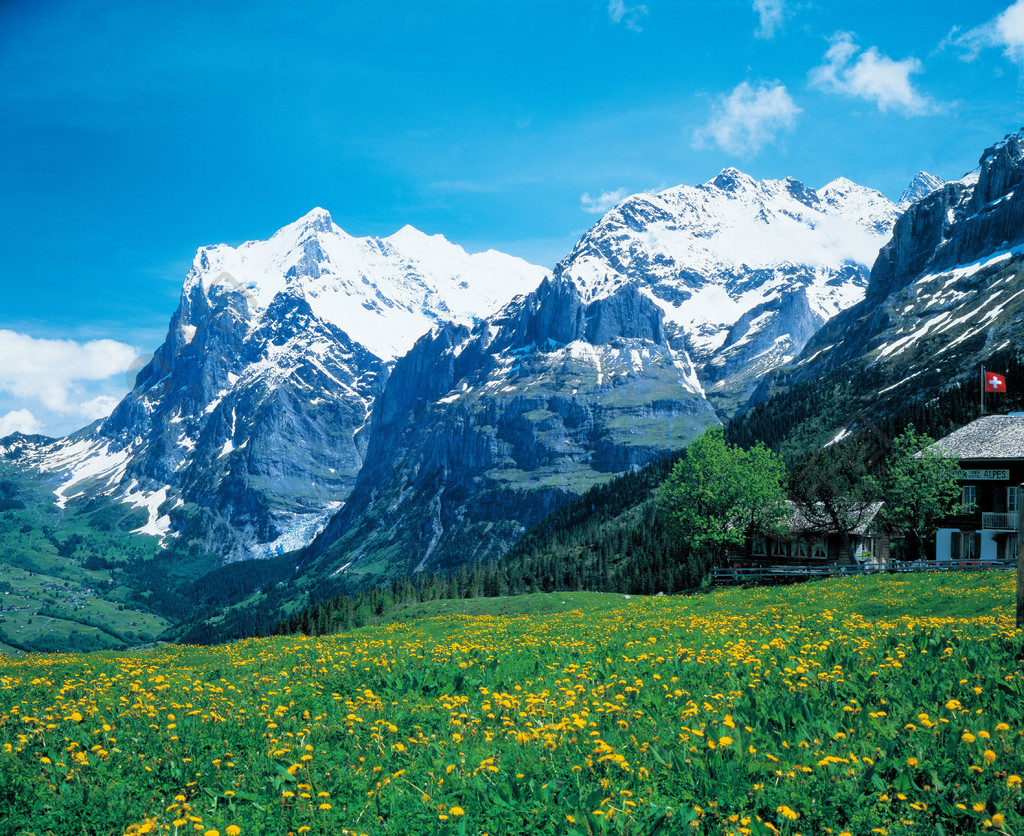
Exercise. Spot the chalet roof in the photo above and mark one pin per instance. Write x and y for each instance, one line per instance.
(988, 437)
(800, 524)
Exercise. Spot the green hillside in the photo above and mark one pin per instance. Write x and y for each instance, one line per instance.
(80, 577)
(70, 578)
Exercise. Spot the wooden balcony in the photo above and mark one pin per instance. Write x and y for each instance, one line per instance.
(999, 521)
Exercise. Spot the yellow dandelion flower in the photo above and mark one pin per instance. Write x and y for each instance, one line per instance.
(456, 811)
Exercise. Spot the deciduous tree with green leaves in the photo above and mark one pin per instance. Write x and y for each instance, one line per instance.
(834, 489)
(919, 487)
(717, 492)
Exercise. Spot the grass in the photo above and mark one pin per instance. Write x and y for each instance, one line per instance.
(66, 574)
(533, 605)
(766, 711)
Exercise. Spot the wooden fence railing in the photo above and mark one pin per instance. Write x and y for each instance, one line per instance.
(767, 574)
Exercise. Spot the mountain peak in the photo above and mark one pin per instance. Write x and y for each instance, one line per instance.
(382, 292)
(840, 184)
(318, 219)
(922, 185)
(732, 180)
(409, 233)
(1012, 140)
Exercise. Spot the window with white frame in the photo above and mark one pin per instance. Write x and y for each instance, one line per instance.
(969, 499)
(820, 548)
(758, 545)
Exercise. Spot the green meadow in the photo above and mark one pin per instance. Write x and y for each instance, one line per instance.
(889, 704)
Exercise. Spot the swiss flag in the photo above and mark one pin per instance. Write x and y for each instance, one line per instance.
(994, 382)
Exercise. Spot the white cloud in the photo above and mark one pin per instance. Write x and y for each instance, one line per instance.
(619, 12)
(603, 202)
(19, 421)
(867, 74)
(1005, 31)
(771, 14)
(749, 117)
(64, 380)
(98, 407)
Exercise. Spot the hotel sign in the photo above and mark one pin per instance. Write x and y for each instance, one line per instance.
(983, 475)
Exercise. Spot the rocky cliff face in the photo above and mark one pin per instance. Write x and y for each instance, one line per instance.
(945, 293)
(249, 425)
(922, 185)
(481, 432)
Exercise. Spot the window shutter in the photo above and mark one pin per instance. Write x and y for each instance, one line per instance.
(954, 544)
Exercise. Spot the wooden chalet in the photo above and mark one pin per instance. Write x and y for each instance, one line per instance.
(807, 544)
(990, 451)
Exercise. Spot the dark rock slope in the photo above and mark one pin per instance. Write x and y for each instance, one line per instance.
(481, 433)
(946, 294)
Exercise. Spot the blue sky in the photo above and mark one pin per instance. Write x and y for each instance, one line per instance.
(132, 133)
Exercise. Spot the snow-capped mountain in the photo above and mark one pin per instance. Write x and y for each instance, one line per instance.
(383, 292)
(745, 271)
(273, 397)
(247, 428)
(592, 374)
(480, 433)
(946, 294)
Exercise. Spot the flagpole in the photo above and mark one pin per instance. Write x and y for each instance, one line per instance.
(983, 389)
